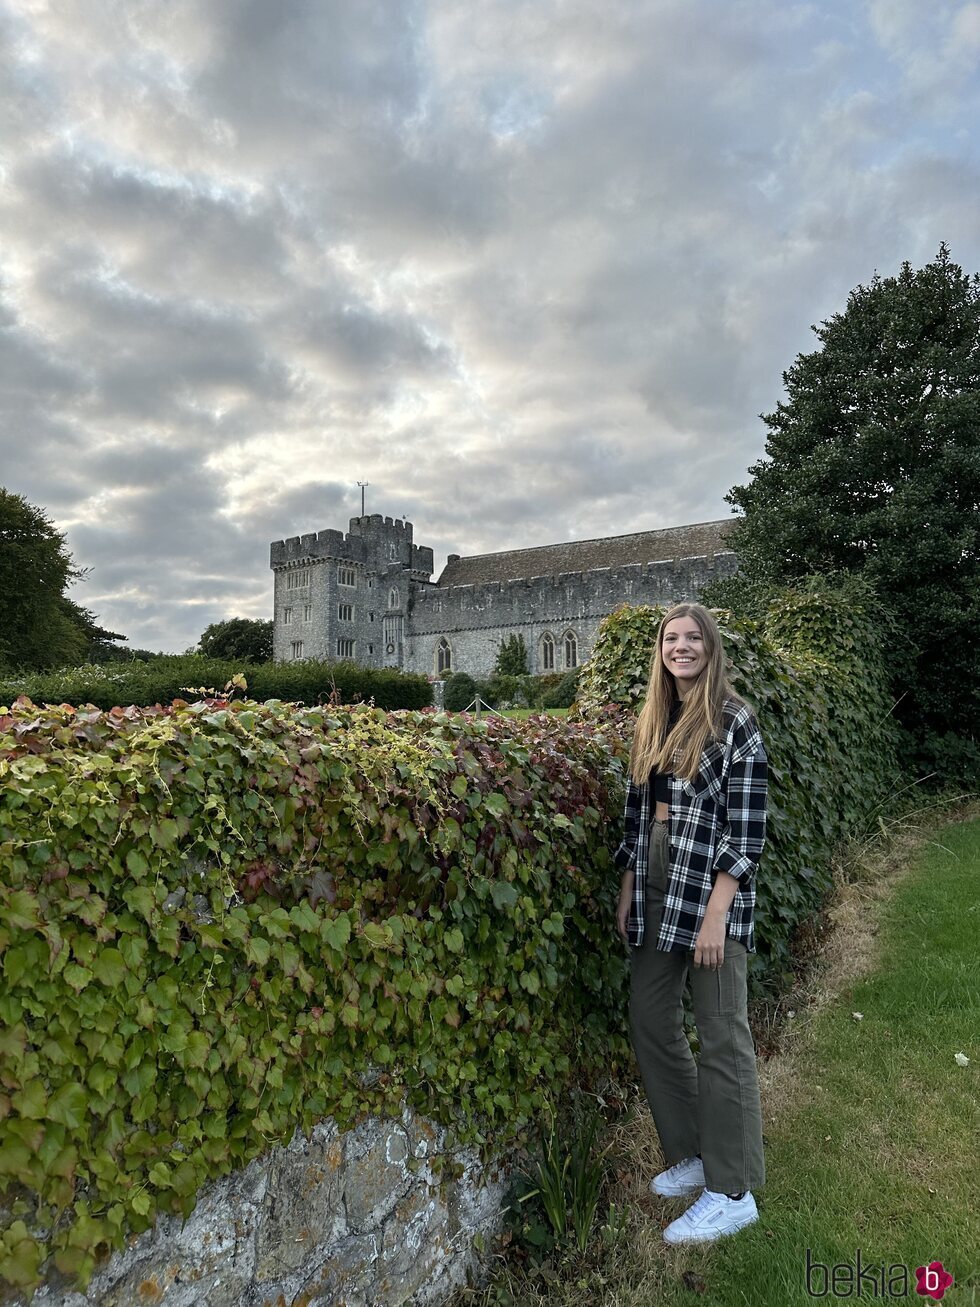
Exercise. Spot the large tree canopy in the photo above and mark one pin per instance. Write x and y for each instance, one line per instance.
(40, 627)
(873, 465)
(239, 637)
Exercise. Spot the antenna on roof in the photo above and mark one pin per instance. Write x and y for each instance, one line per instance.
(362, 484)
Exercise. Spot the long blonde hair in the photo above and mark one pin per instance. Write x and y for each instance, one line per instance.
(700, 718)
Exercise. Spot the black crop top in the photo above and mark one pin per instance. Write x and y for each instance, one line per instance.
(660, 781)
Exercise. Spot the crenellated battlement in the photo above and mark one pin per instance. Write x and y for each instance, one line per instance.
(377, 542)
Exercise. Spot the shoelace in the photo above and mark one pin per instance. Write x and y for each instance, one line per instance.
(678, 1167)
(698, 1208)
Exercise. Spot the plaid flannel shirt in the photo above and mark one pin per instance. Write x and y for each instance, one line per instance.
(717, 823)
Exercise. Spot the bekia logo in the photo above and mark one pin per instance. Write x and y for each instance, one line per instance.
(933, 1280)
(859, 1279)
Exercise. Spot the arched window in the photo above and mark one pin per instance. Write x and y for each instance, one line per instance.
(444, 658)
(571, 649)
(392, 598)
(547, 652)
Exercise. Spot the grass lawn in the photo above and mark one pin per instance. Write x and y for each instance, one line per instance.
(872, 1126)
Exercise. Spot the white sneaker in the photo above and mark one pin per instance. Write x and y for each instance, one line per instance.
(686, 1177)
(711, 1216)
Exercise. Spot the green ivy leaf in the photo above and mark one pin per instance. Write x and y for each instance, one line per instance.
(77, 977)
(257, 951)
(137, 864)
(335, 932)
(109, 967)
(198, 1048)
(504, 894)
(21, 910)
(68, 1106)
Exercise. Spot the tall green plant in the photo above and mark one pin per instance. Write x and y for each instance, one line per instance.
(872, 466)
(512, 657)
(565, 1179)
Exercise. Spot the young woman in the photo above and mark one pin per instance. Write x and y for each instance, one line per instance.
(695, 828)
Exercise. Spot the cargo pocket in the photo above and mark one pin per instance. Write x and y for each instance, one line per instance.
(731, 978)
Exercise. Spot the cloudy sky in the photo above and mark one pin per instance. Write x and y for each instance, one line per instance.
(531, 269)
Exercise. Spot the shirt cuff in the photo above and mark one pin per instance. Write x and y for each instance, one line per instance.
(624, 858)
(737, 865)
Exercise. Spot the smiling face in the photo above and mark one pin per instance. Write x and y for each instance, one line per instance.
(683, 653)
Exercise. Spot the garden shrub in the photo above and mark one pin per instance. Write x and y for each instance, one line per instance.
(460, 691)
(166, 678)
(563, 694)
(510, 691)
(813, 668)
(216, 916)
(547, 682)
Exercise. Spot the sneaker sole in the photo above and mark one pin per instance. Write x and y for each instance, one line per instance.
(676, 1193)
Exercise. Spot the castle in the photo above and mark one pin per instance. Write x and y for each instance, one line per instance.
(368, 595)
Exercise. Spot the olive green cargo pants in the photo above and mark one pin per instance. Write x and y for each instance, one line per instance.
(709, 1106)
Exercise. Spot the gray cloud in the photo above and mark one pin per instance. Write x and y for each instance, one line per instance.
(531, 270)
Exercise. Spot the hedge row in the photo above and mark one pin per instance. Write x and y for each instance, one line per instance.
(216, 917)
(814, 670)
(192, 677)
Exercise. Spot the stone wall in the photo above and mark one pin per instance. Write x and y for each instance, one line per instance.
(339, 1219)
(476, 618)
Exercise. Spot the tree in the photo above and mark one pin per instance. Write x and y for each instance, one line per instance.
(873, 466)
(239, 637)
(511, 657)
(41, 627)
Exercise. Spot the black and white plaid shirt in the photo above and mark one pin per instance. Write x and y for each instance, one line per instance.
(717, 823)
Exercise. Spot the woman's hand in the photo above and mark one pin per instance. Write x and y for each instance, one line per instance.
(709, 947)
(625, 903)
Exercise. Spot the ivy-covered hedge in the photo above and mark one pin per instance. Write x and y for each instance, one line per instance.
(215, 918)
(813, 669)
(190, 676)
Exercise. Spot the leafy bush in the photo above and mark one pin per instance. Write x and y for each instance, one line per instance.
(523, 691)
(814, 670)
(217, 916)
(511, 691)
(168, 677)
(563, 694)
(460, 692)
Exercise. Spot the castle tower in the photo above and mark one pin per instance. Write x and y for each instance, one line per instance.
(347, 595)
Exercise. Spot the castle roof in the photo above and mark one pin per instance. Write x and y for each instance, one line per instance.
(698, 540)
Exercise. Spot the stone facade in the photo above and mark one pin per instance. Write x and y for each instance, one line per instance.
(368, 595)
(337, 1219)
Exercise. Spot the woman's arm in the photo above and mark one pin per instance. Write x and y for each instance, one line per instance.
(742, 839)
(740, 842)
(625, 855)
